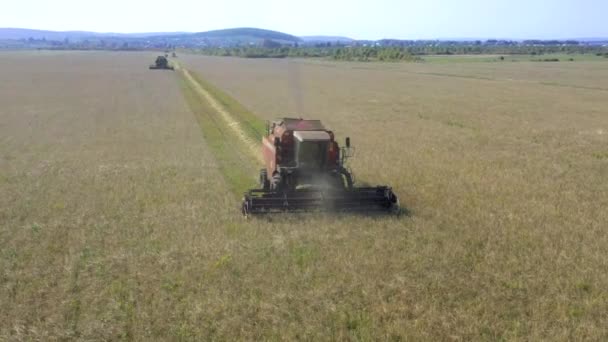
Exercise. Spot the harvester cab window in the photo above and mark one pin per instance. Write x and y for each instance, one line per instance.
(312, 154)
(311, 150)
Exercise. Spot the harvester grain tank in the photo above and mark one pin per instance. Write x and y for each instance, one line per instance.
(162, 63)
(305, 171)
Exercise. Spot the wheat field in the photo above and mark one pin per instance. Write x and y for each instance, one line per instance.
(120, 220)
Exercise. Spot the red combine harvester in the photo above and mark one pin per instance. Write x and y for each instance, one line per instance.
(305, 171)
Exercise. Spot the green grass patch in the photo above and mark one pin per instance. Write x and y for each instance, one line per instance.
(600, 155)
(253, 126)
(235, 166)
(454, 123)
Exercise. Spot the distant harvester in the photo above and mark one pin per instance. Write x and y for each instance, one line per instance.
(161, 63)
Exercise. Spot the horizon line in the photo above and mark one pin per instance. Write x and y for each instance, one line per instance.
(306, 35)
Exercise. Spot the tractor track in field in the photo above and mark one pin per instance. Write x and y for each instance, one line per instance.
(229, 129)
(235, 125)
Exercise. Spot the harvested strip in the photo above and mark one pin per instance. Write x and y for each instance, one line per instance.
(235, 125)
(234, 163)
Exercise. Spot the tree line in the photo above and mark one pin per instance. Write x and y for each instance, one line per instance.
(338, 53)
(396, 53)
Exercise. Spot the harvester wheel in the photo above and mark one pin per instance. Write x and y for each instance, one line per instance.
(337, 181)
(264, 182)
(275, 183)
(348, 177)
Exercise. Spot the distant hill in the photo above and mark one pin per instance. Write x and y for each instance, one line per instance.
(248, 32)
(227, 37)
(242, 35)
(326, 39)
(20, 33)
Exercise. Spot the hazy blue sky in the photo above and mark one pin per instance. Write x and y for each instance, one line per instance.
(357, 19)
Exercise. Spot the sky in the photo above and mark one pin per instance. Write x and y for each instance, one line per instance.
(407, 19)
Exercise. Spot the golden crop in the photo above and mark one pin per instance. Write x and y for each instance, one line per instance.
(118, 220)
